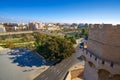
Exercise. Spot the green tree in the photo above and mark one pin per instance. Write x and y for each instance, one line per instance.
(27, 37)
(54, 48)
(70, 38)
(73, 40)
(0, 40)
(66, 36)
(39, 38)
(82, 31)
(9, 44)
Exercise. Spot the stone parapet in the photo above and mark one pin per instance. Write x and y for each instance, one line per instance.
(101, 63)
(104, 40)
(102, 56)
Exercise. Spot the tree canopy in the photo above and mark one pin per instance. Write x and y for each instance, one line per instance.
(53, 48)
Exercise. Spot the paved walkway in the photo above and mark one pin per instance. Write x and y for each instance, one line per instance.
(20, 64)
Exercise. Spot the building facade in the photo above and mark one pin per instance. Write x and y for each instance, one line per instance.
(102, 56)
(52, 27)
(35, 26)
(2, 28)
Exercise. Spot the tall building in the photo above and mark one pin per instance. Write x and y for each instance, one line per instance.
(102, 56)
(2, 28)
(35, 26)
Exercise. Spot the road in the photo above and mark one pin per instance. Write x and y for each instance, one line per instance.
(58, 71)
(25, 32)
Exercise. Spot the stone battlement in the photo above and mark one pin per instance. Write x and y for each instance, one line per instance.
(100, 63)
(102, 56)
(104, 39)
(104, 27)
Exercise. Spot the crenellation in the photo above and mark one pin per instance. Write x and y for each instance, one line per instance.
(105, 27)
(104, 48)
(118, 25)
(106, 36)
(106, 32)
(102, 63)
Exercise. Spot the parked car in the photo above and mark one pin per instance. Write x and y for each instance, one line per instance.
(81, 45)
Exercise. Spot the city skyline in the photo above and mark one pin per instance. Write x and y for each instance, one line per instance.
(63, 11)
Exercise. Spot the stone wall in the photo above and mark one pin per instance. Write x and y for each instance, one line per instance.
(99, 63)
(104, 40)
(90, 72)
(94, 65)
(68, 76)
(103, 53)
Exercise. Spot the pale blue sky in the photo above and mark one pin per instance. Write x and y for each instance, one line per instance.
(68, 11)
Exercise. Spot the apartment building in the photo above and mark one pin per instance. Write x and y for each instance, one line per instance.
(2, 28)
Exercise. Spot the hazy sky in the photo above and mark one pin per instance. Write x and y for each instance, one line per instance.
(90, 11)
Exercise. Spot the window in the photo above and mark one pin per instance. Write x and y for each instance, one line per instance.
(95, 58)
(112, 64)
(90, 55)
(103, 62)
(86, 52)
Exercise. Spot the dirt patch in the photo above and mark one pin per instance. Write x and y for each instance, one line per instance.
(78, 73)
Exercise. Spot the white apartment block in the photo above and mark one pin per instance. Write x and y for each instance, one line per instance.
(2, 28)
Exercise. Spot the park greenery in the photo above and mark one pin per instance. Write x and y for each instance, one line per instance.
(84, 31)
(53, 48)
(80, 33)
(16, 40)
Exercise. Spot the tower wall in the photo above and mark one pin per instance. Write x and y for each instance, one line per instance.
(104, 40)
(103, 53)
